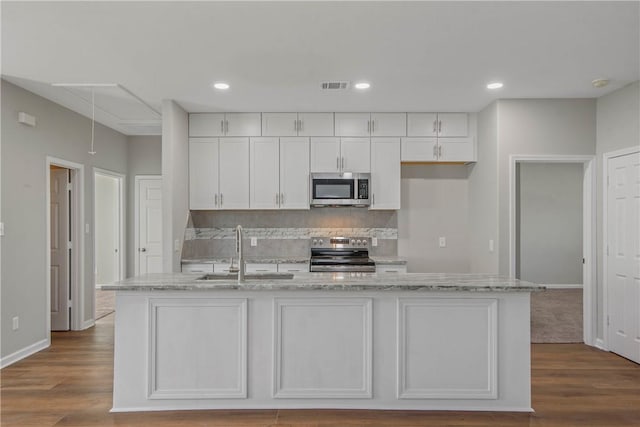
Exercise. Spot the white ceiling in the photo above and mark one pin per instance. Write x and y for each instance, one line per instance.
(418, 56)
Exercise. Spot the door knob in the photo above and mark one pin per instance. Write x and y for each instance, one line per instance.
(143, 249)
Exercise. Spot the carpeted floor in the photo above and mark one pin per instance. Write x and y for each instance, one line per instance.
(105, 303)
(556, 316)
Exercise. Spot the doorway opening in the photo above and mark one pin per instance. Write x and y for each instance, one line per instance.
(65, 248)
(148, 224)
(109, 253)
(552, 235)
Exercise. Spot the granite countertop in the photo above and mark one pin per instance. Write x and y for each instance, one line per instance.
(393, 260)
(330, 282)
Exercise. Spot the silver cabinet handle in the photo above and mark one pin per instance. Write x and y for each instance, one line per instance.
(142, 249)
(221, 199)
(226, 126)
(440, 151)
(435, 126)
(338, 163)
(439, 126)
(282, 199)
(373, 126)
(222, 126)
(342, 165)
(216, 200)
(299, 125)
(295, 125)
(435, 152)
(373, 201)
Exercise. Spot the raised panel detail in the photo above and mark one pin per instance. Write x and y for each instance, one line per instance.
(322, 348)
(447, 348)
(198, 348)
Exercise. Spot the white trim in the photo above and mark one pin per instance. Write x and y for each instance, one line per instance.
(562, 286)
(605, 238)
(89, 323)
(136, 218)
(25, 352)
(77, 241)
(590, 311)
(600, 344)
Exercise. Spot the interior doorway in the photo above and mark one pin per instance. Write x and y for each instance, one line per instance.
(65, 248)
(552, 238)
(148, 224)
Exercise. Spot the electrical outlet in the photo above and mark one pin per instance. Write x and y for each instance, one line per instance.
(491, 245)
(176, 245)
(442, 241)
(1, 228)
(254, 241)
(374, 241)
(16, 323)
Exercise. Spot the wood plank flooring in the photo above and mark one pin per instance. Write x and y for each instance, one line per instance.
(70, 384)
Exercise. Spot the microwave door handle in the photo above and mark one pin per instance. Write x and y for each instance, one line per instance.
(337, 163)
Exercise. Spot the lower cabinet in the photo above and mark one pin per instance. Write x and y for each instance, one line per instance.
(197, 268)
(294, 267)
(391, 268)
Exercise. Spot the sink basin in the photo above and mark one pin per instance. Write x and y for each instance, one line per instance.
(247, 276)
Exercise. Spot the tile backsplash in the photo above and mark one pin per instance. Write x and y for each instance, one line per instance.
(285, 233)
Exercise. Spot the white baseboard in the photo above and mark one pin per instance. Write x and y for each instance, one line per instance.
(600, 344)
(562, 286)
(87, 324)
(25, 352)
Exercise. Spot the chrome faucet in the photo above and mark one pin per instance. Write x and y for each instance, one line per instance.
(239, 250)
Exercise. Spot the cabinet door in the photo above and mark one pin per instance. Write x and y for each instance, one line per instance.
(293, 267)
(234, 173)
(385, 173)
(456, 150)
(325, 154)
(355, 154)
(315, 124)
(206, 124)
(264, 192)
(197, 268)
(453, 124)
(279, 124)
(422, 124)
(419, 150)
(243, 124)
(388, 124)
(203, 173)
(391, 268)
(252, 267)
(352, 124)
(294, 173)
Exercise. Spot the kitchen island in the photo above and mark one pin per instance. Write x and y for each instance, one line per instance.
(408, 341)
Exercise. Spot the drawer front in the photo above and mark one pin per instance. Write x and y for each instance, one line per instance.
(197, 268)
(390, 268)
(293, 267)
(261, 268)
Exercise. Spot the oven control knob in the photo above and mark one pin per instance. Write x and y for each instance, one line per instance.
(315, 242)
(353, 242)
(320, 241)
(358, 242)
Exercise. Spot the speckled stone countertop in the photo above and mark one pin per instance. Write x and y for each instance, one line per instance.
(393, 260)
(330, 282)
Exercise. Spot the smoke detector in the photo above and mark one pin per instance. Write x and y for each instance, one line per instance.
(598, 83)
(335, 85)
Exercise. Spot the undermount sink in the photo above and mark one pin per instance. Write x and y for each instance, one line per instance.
(247, 276)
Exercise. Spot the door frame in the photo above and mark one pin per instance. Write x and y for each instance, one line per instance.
(605, 237)
(121, 178)
(589, 300)
(136, 217)
(77, 273)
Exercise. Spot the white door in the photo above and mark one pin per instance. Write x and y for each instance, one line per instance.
(265, 167)
(385, 173)
(315, 124)
(234, 173)
(60, 249)
(107, 228)
(242, 124)
(325, 155)
(294, 173)
(203, 173)
(623, 261)
(352, 124)
(356, 154)
(419, 150)
(388, 124)
(456, 150)
(453, 124)
(279, 124)
(149, 225)
(422, 124)
(206, 124)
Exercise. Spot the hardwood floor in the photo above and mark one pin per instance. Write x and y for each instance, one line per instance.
(70, 384)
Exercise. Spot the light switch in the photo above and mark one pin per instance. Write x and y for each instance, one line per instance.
(176, 245)
(374, 241)
(491, 245)
(442, 241)
(254, 241)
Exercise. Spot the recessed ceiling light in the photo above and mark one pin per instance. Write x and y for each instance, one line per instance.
(221, 86)
(598, 83)
(494, 85)
(362, 85)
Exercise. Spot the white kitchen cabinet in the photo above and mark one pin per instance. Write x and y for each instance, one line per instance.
(297, 124)
(203, 173)
(197, 268)
(340, 155)
(293, 267)
(385, 173)
(252, 267)
(294, 173)
(234, 173)
(438, 150)
(223, 267)
(442, 125)
(355, 154)
(279, 173)
(370, 124)
(224, 124)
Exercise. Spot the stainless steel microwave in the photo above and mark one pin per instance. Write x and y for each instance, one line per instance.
(340, 189)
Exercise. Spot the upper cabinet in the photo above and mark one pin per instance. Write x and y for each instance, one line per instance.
(370, 124)
(224, 124)
(297, 124)
(340, 155)
(385, 173)
(442, 125)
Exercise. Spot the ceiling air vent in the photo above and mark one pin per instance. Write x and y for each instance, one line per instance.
(335, 85)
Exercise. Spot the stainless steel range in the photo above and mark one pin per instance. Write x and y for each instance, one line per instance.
(341, 254)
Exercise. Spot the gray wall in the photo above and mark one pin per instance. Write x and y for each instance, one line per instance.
(434, 204)
(483, 195)
(63, 134)
(144, 157)
(549, 200)
(618, 126)
(538, 127)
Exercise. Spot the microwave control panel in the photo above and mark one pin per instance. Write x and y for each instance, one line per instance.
(363, 189)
